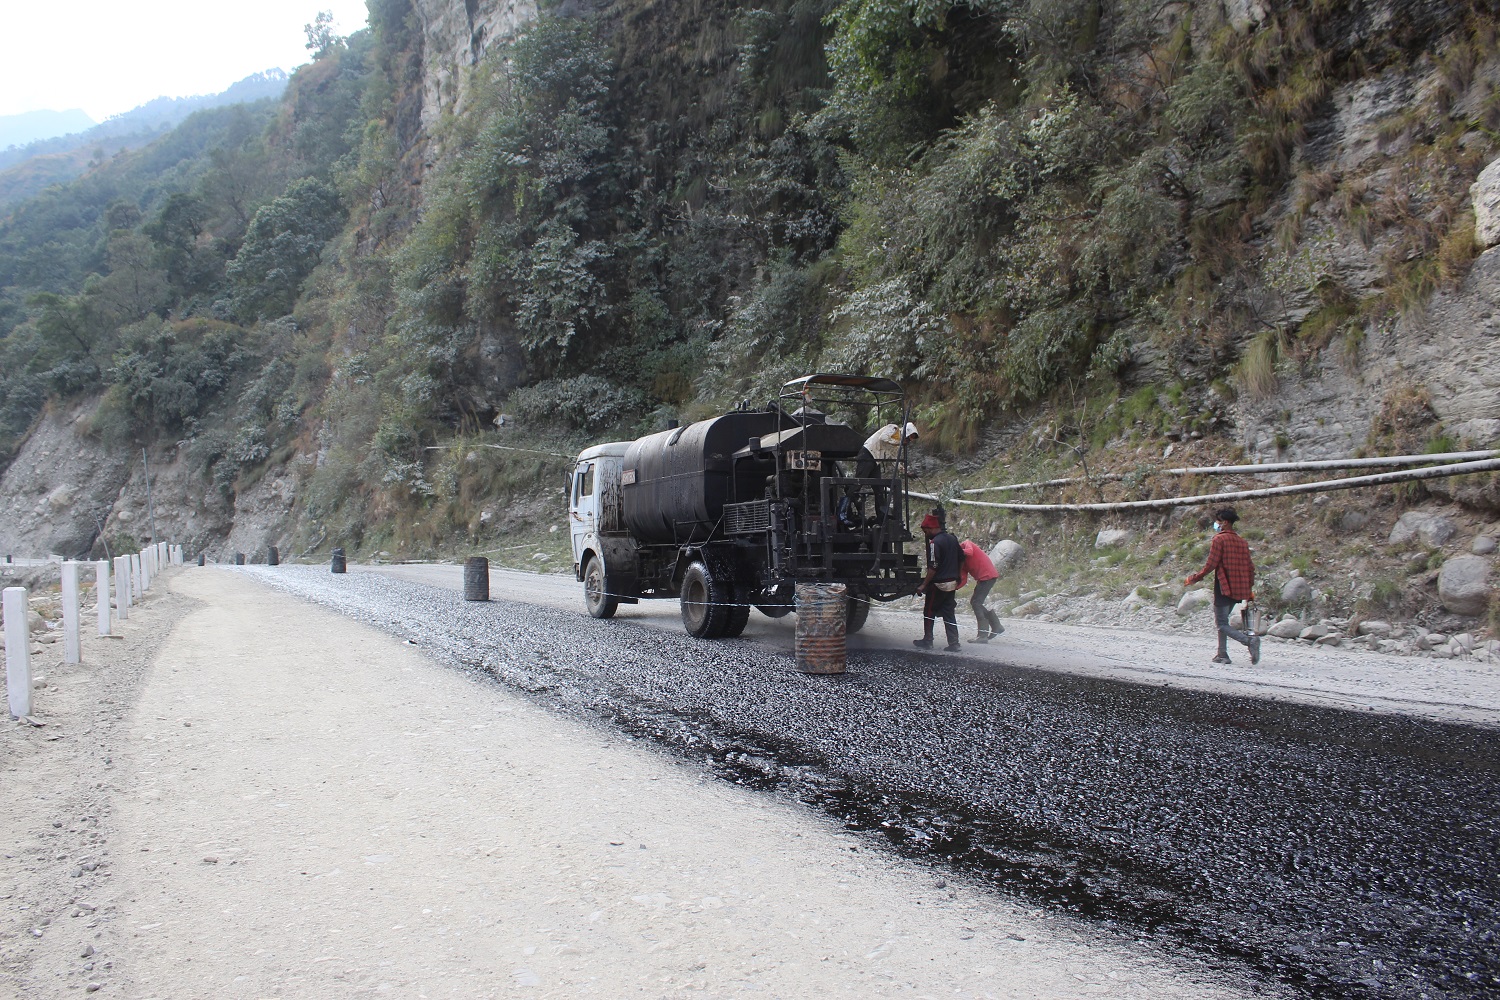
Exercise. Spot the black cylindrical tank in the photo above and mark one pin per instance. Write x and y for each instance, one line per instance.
(674, 484)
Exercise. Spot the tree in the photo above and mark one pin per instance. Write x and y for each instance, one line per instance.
(281, 248)
(320, 37)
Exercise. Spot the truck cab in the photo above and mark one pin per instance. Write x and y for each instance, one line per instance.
(594, 521)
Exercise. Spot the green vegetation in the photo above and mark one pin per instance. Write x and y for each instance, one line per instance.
(656, 211)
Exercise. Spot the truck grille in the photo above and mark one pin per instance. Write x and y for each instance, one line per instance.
(749, 518)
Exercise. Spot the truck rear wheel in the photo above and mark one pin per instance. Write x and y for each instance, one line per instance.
(857, 612)
(705, 603)
(596, 598)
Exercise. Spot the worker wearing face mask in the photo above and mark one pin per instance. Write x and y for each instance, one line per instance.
(1234, 581)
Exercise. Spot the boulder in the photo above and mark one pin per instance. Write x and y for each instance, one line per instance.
(1133, 602)
(1430, 529)
(1296, 591)
(1194, 600)
(1006, 553)
(1482, 545)
(1485, 193)
(1316, 631)
(1111, 537)
(1287, 628)
(1463, 585)
(1375, 627)
(1464, 641)
(1353, 520)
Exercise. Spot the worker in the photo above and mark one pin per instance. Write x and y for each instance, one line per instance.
(1234, 581)
(881, 457)
(937, 587)
(976, 563)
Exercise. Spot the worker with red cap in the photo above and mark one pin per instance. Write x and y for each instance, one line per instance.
(944, 564)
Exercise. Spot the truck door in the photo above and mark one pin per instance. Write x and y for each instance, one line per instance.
(583, 509)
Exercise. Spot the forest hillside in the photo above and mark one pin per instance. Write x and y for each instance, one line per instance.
(380, 311)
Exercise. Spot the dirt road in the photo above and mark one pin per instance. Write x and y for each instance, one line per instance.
(249, 796)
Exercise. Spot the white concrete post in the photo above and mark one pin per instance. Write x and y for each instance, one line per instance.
(18, 651)
(136, 589)
(177, 555)
(71, 652)
(166, 554)
(145, 558)
(101, 594)
(122, 587)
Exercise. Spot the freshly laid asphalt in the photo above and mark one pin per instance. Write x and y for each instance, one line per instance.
(1343, 852)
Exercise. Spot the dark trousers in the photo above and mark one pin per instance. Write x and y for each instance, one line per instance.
(866, 467)
(940, 604)
(1222, 606)
(987, 619)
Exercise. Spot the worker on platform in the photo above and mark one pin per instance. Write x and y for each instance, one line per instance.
(881, 458)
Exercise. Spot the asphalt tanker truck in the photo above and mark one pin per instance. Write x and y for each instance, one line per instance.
(733, 512)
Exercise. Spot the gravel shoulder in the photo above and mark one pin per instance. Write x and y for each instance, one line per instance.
(1439, 690)
(251, 796)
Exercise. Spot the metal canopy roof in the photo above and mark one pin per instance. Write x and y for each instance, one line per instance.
(869, 383)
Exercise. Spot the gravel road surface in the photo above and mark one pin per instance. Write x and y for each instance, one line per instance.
(250, 796)
(1345, 852)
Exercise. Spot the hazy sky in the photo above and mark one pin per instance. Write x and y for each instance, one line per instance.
(108, 56)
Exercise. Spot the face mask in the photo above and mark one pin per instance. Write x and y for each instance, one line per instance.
(1216, 525)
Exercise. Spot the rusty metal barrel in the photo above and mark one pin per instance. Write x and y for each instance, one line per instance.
(821, 611)
(337, 565)
(273, 556)
(476, 579)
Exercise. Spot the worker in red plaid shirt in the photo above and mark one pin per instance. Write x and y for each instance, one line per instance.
(1234, 581)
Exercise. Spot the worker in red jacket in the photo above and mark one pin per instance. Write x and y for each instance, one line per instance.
(978, 565)
(1234, 581)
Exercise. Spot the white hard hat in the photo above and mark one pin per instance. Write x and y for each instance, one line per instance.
(911, 431)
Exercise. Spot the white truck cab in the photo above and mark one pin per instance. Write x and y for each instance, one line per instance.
(594, 509)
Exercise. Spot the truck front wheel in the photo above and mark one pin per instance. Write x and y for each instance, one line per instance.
(596, 598)
(857, 608)
(705, 607)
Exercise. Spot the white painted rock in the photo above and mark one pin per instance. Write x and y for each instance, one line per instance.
(1006, 553)
(1485, 193)
(1111, 537)
(1193, 600)
(1296, 591)
(1463, 585)
(1428, 528)
(1287, 628)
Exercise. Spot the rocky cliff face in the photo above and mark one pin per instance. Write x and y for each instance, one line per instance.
(455, 36)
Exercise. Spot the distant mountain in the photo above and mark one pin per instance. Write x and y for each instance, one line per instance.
(27, 169)
(32, 126)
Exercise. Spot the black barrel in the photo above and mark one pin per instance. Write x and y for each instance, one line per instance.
(239, 558)
(337, 566)
(476, 579)
(201, 559)
(273, 557)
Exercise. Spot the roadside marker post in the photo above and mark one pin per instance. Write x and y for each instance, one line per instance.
(136, 591)
(71, 651)
(122, 587)
(145, 563)
(101, 595)
(17, 651)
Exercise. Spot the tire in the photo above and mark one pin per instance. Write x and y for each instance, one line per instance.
(599, 602)
(857, 612)
(739, 617)
(780, 604)
(705, 609)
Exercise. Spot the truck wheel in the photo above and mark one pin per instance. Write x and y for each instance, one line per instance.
(705, 611)
(780, 603)
(739, 617)
(857, 608)
(601, 603)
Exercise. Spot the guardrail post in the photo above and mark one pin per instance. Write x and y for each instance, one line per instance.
(18, 650)
(71, 651)
(122, 587)
(146, 574)
(101, 595)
